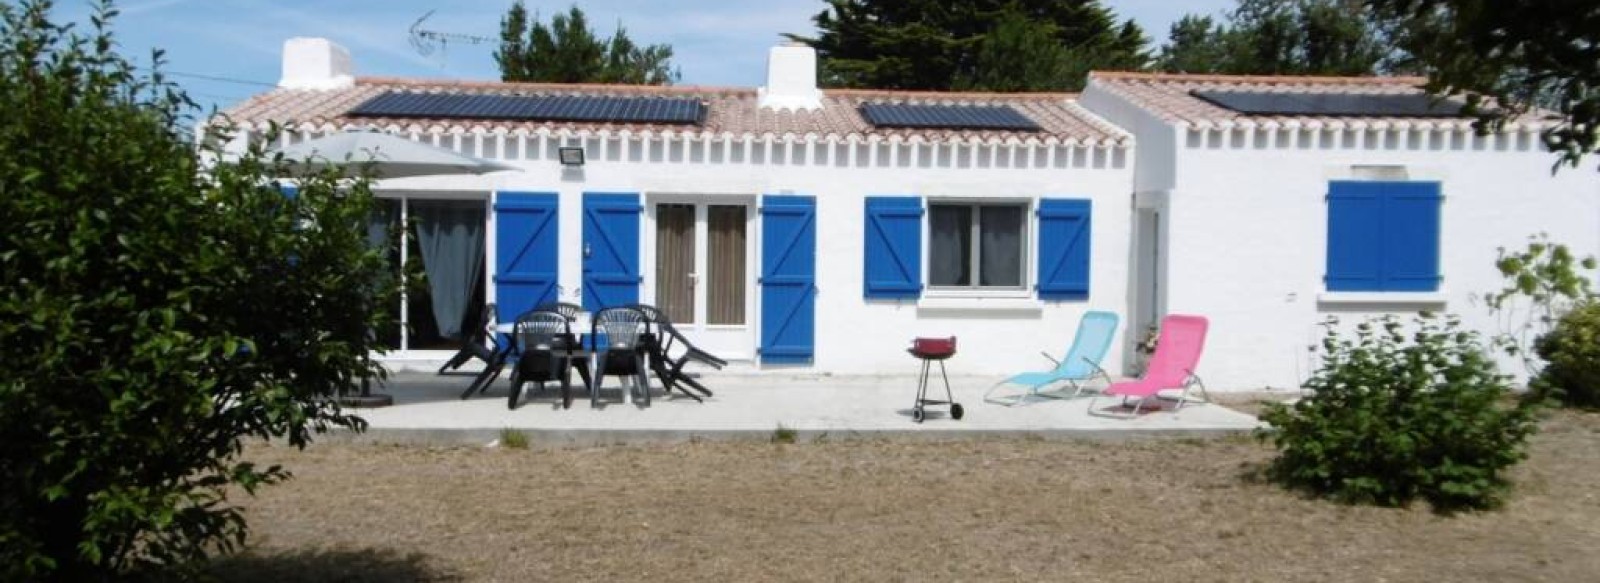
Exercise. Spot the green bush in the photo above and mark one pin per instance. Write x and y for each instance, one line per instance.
(1571, 352)
(1400, 413)
(154, 312)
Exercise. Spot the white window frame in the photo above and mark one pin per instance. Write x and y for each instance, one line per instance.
(975, 290)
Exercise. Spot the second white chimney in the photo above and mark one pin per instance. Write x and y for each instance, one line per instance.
(316, 63)
(791, 78)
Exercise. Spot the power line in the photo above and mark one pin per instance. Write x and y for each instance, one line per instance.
(220, 79)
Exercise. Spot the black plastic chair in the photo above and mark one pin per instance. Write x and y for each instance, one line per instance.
(542, 338)
(660, 340)
(670, 368)
(479, 343)
(568, 311)
(622, 355)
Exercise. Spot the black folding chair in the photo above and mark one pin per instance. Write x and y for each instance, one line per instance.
(479, 343)
(622, 355)
(660, 340)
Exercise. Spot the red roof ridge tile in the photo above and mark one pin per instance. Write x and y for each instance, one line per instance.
(1258, 79)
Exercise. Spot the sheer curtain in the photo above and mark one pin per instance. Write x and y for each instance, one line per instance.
(949, 245)
(451, 236)
(1000, 246)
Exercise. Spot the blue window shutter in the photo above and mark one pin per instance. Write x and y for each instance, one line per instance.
(610, 250)
(1411, 236)
(1355, 236)
(892, 250)
(1064, 243)
(289, 191)
(526, 259)
(788, 279)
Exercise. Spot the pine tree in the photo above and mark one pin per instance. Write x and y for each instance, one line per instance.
(1281, 37)
(567, 50)
(971, 44)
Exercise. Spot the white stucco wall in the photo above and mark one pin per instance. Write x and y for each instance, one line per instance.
(854, 335)
(1155, 168)
(1248, 234)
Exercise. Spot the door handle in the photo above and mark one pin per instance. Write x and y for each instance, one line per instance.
(694, 278)
(587, 251)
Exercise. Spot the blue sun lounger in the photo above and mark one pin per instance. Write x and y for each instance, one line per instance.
(1081, 363)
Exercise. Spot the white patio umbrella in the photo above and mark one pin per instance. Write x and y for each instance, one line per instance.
(391, 156)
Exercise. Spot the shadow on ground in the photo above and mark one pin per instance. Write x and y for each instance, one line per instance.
(327, 566)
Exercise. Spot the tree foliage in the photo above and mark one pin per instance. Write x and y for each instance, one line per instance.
(1281, 37)
(981, 45)
(1509, 56)
(568, 51)
(155, 313)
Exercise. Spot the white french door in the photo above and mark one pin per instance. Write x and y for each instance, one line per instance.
(702, 270)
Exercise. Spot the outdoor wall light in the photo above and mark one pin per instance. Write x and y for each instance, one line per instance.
(570, 156)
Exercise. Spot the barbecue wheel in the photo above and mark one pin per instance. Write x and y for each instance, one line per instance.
(917, 415)
(956, 411)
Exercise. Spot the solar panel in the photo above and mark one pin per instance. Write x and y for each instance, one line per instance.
(581, 108)
(956, 117)
(1331, 104)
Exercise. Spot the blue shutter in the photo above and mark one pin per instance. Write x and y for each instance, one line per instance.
(1411, 236)
(1064, 243)
(610, 250)
(1383, 236)
(788, 278)
(290, 192)
(1355, 236)
(527, 234)
(892, 250)
(526, 240)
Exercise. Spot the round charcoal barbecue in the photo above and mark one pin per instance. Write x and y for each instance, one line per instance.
(930, 350)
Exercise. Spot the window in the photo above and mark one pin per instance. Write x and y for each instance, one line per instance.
(1383, 236)
(977, 246)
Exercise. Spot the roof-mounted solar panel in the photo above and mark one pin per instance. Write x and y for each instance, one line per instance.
(1331, 104)
(954, 117)
(578, 108)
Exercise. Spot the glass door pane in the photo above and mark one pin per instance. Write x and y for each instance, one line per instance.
(675, 254)
(725, 250)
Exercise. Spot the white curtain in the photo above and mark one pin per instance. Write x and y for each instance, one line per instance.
(451, 236)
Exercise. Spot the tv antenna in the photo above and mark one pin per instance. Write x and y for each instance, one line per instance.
(426, 41)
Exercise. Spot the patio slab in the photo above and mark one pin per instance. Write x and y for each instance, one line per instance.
(427, 410)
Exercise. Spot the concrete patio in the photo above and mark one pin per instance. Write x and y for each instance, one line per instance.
(428, 409)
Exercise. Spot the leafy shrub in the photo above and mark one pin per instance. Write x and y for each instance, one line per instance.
(1571, 351)
(1543, 282)
(1400, 413)
(154, 312)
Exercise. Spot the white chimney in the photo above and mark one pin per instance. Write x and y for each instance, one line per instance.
(316, 63)
(791, 78)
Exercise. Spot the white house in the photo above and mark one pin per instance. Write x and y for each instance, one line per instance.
(787, 227)
(1268, 222)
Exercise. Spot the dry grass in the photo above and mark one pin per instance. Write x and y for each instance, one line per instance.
(892, 511)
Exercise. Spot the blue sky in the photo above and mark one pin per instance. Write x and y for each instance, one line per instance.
(715, 42)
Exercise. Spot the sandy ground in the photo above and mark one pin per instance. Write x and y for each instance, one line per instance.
(1012, 509)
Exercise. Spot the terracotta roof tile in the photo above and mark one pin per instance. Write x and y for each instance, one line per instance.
(731, 111)
(1167, 96)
